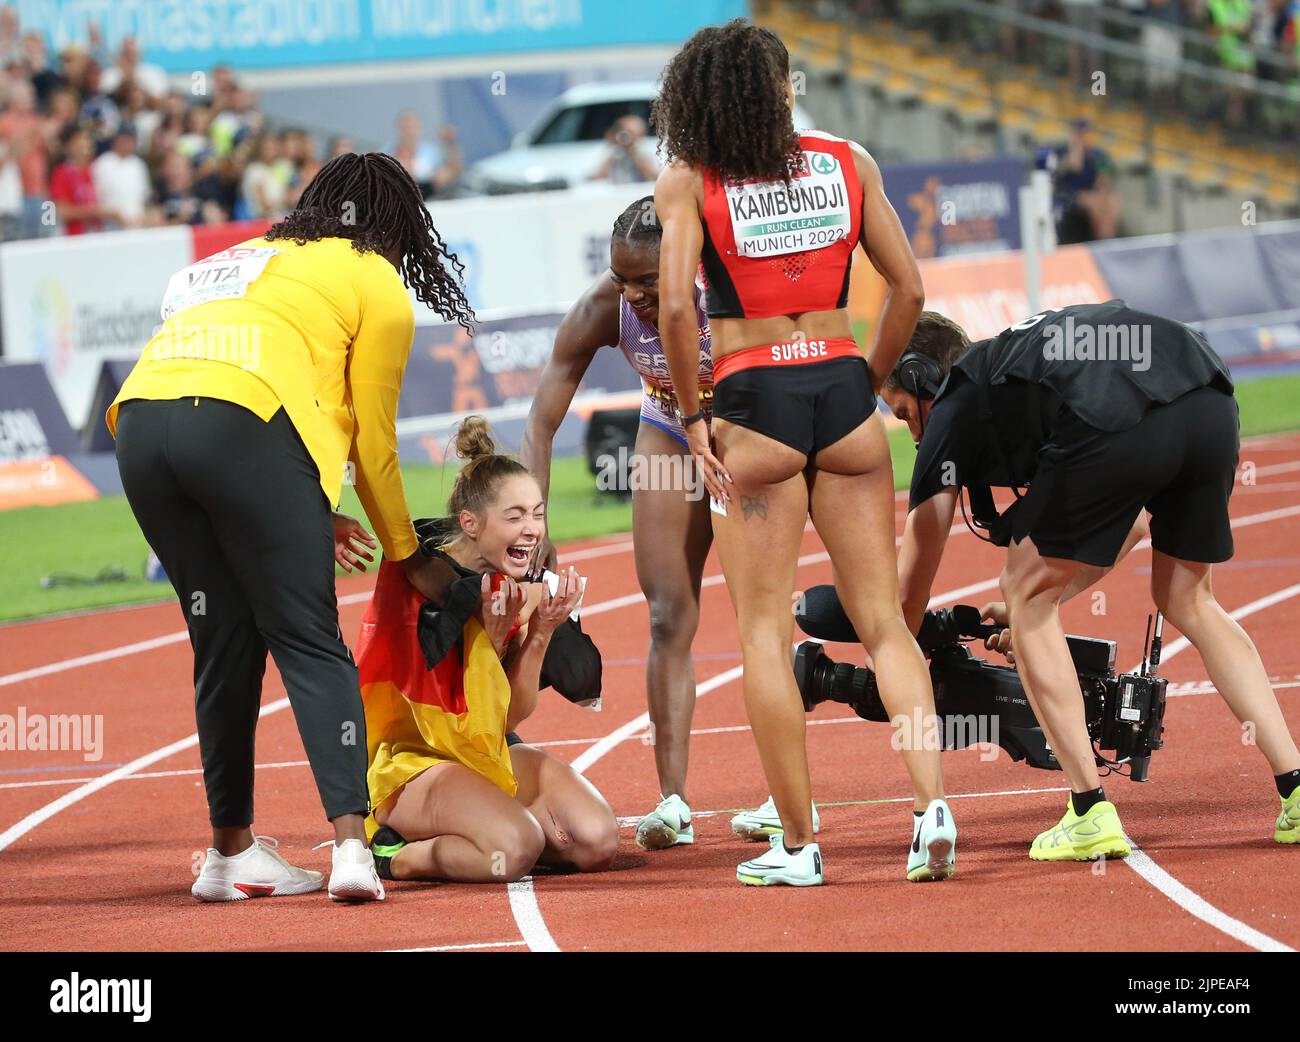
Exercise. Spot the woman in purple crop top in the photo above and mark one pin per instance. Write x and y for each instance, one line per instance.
(671, 533)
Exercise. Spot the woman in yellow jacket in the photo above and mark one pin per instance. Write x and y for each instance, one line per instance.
(273, 380)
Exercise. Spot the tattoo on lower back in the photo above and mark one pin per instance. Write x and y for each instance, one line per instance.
(754, 506)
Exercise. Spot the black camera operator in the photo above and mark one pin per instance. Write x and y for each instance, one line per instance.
(1089, 413)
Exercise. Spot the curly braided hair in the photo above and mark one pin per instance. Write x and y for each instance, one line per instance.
(722, 104)
(373, 201)
(638, 226)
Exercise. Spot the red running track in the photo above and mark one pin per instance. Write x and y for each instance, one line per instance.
(99, 855)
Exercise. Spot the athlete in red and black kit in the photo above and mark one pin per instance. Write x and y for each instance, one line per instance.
(774, 217)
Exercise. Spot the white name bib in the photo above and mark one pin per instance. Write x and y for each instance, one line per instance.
(768, 219)
(222, 276)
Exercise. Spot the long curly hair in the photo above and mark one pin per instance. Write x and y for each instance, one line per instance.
(722, 104)
(373, 201)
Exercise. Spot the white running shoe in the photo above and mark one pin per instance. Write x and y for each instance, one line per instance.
(777, 866)
(258, 871)
(765, 821)
(668, 825)
(933, 855)
(353, 877)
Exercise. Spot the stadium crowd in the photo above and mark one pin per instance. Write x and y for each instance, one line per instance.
(92, 140)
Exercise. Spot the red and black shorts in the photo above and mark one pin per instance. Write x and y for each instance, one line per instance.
(807, 394)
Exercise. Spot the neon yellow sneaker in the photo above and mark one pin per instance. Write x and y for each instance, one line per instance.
(1288, 822)
(1083, 837)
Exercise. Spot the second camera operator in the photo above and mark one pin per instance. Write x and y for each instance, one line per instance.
(1096, 440)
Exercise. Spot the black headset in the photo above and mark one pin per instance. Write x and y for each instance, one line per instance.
(919, 374)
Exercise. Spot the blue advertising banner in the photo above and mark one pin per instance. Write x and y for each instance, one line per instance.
(450, 371)
(957, 207)
(190, 35)
(496, 372)
(1207, 275)
(32, 423)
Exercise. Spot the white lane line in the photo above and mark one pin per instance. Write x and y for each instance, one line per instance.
(1175, 647)
(1179, 894)
(630, 822)
(21, 828)
(528, 916)
(1192, 902)
(1278, 468)
(124, 650)
(608, 550)
(461, 947)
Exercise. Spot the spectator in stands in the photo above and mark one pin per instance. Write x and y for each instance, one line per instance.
(223, 79)
(1086, 203)
(1084, 15)
(435, 166)
(22, 130)
(304, 150)
(236, 118)
(60, 114)
(141, 111)
(130, 69)
(264, 188)
(74, 65)
(11, 193)
(177, 203)
(1231, 22)
(97, 106)
(195, 143)
(217, 184)
(11, 43)
(72, 186)
(626, 162)
(341, 145)
(45, 80)
(1282, 21)
(1163, 42)
(122, 178)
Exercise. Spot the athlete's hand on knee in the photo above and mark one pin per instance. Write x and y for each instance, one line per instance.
(500, 608)
(709, 466)
(350, 542)
(996, 613)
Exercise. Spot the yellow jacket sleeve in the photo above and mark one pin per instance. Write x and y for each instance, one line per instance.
(376, 364)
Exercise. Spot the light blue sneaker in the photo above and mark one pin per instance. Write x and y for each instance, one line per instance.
(933, 855)
(668, 825)
(764, 821)
(776, 866)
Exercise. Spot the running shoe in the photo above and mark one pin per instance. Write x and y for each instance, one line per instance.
(765, 821)
(933, 855)
(384, 846)
(1287, 829)
(1083, 837)
(354, 877)
(777, 866)
(668, 825)
(258, 871)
